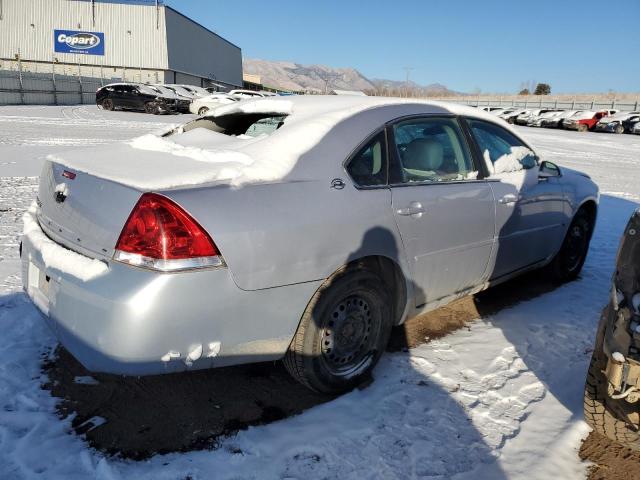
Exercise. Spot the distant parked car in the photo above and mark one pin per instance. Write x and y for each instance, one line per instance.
(184, 91)
(197, 92)
(182, 102)
(134, 96)
(243, 94)
(524, 117)
(585, 121)
(614, 123)
(630, 123)
(510, 116)
(556, 121)
(636, 128)
(201, 106)
(536, 121)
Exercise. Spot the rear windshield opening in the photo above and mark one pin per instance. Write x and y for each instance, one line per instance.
(240, 124)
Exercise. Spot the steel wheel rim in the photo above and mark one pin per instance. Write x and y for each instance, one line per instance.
(349, 335)
(575, 247)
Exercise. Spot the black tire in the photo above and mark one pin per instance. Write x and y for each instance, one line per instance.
(107, 104)
(583, 127)
(203, 110)
(597, 404)
(568, 262)
(343, 332)
(512, 120)
(151, 108)
(619, 129)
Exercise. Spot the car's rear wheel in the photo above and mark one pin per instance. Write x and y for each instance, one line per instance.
(597, 404)
(107, 104)
(619, 129)
(512, 120)
(151, 107)
(203, 110)
(583, 127)
(343, 332)
(569, 261)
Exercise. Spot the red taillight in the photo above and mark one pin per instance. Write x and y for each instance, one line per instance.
(159, 229)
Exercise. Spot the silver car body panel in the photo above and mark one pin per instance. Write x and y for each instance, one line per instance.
(280, 240)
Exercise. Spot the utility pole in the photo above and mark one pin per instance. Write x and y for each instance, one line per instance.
(407, 71)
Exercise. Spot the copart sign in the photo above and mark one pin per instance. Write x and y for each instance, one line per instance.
(73, 41)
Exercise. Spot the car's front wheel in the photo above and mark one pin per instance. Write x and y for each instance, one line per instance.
(151, 107)
(107, 104)
(569, 261)
(343, 332)
(619, 129)
(203, 110)
(583, 127)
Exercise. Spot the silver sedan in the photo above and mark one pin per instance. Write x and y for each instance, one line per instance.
(300, 229)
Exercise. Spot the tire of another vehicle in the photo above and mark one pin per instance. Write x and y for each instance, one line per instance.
(151, 108)
(512, 120)
(343, 332)
(619, 129)
(107, 104)
(597, 413)
(569, 261)
(203, 110)
(583, 128)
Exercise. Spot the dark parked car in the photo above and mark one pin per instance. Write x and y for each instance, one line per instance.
(133, 96)
(630, 123)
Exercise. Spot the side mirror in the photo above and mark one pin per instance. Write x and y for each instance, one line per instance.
(548, 170)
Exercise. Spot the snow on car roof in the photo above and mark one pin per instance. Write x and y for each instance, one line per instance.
(297, 151)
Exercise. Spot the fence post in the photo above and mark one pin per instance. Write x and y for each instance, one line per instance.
(53, 80)
(636, 107)
(613, 104)
(20, 78)
(80, 83)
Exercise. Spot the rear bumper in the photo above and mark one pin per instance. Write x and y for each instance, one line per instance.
(131, 321)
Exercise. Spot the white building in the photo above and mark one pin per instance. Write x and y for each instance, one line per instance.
(135, 40)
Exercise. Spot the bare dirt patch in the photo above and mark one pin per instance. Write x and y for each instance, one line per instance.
(611, 460)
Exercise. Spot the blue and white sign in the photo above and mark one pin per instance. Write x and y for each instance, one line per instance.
(74, 41)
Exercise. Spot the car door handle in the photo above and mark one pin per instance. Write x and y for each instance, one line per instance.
(508, 198)
(415, 208)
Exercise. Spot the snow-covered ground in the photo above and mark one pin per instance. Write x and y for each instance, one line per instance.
(502, 399)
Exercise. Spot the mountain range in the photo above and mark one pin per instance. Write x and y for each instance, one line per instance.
(322, 78)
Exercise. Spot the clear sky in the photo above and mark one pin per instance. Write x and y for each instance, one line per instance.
(467, 45)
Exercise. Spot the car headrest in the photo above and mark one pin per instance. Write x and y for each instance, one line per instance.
(424, 154)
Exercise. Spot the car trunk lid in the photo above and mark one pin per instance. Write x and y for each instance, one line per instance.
(81, 211)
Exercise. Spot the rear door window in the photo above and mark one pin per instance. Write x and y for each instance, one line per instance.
(431, 150)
